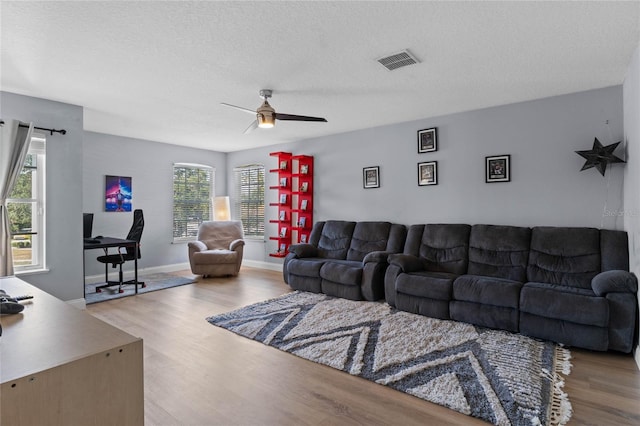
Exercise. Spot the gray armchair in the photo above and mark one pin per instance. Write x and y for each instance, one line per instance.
(218, 250)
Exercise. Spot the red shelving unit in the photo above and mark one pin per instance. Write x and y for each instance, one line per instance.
(302, 197)
(283, 203)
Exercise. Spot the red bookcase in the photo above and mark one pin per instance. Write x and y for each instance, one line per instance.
(302, 198)
(283, 203)
(294, 200)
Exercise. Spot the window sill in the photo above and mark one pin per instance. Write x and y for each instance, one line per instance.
(31, 272)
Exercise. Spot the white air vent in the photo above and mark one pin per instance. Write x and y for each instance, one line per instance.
(398, 60)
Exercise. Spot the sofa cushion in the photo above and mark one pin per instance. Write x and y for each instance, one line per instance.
(335, 239)
(565, 256)
(499, 251)
(433, 285)
(487, 291)
(580, 306)
(307, 267)
(368, 237)
(342, 272)
(445, 248)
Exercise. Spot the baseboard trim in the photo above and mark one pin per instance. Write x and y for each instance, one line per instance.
(78, 303)
(262, 265)
(128, 275)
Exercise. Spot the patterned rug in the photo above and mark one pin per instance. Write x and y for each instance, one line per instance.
(500, 377)
(158, 281)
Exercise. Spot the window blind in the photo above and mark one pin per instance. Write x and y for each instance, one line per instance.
(249, 199)
(193, 192)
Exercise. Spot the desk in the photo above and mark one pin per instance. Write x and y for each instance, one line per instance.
(108, 242)
(62, 366)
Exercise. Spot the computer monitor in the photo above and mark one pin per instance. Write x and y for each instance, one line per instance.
(87, 224)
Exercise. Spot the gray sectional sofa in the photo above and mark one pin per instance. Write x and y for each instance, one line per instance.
(344, 259)
(569, 285)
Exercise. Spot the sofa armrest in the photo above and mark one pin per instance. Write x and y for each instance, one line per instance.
(615, 281)
(196, 246)
(235, 244)
(376, 257)
(406, 262)
(303, 250)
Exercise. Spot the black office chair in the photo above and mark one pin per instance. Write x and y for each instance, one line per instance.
(135, 233)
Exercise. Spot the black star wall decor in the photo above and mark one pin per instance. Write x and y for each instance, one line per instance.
(599, 156)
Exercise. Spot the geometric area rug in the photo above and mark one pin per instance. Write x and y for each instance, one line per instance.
(497, 376)
(153, 282)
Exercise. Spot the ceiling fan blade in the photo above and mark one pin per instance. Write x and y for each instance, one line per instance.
(252, 127)
(240, 108)
(292, 117)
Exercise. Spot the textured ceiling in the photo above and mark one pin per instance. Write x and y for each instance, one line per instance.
(159, 70)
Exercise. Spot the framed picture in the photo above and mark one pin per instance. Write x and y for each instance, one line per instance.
(282, 248)
(428, 173)
(283, 165)
(498, 168)
(302, 222)
(283, 231)
(303, 238)
(283, 215)
(303, 204)
(371, 177)
(283, 198)
(428, 140)
(304, 169)
(304, 187)
(117, 194)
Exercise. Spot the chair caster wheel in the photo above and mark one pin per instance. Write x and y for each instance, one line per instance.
(120, 291)
(98, 290)
(144, 286)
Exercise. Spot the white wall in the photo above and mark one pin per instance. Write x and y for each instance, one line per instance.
(546, 188)
(631, 95)
(150, 165)
(64, 190)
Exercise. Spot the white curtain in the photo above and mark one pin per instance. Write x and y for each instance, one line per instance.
(14, 146)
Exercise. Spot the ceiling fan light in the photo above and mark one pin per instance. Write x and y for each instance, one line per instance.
(266, 121)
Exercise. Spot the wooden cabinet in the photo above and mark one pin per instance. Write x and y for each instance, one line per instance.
(294, 200)
(62, 366)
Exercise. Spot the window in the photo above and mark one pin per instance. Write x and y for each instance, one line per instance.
(193, 190)
(249, 199)
(26, 209)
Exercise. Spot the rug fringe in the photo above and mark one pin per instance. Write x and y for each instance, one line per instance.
(561, 409)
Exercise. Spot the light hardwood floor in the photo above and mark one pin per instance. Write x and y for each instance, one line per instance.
(198, 374)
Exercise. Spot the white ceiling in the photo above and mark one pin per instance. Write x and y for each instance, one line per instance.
(159, 70)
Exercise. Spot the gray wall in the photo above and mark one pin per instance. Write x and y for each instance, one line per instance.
(64, 190)
(546, 188)
(632, 171)
(150, 165)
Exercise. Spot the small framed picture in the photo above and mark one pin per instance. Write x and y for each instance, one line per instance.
(371, 177)
(303, 238)
(498, 168)
(304, 187)
(428, 140)
(302, 222)
(283, 231)
(304, 169)
(283, 181)
(283, 248)
(283, 198)
(283, 165)
(283, 215)
(303, 204)
(428, 173)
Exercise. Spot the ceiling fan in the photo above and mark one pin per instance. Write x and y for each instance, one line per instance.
(266, 116)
